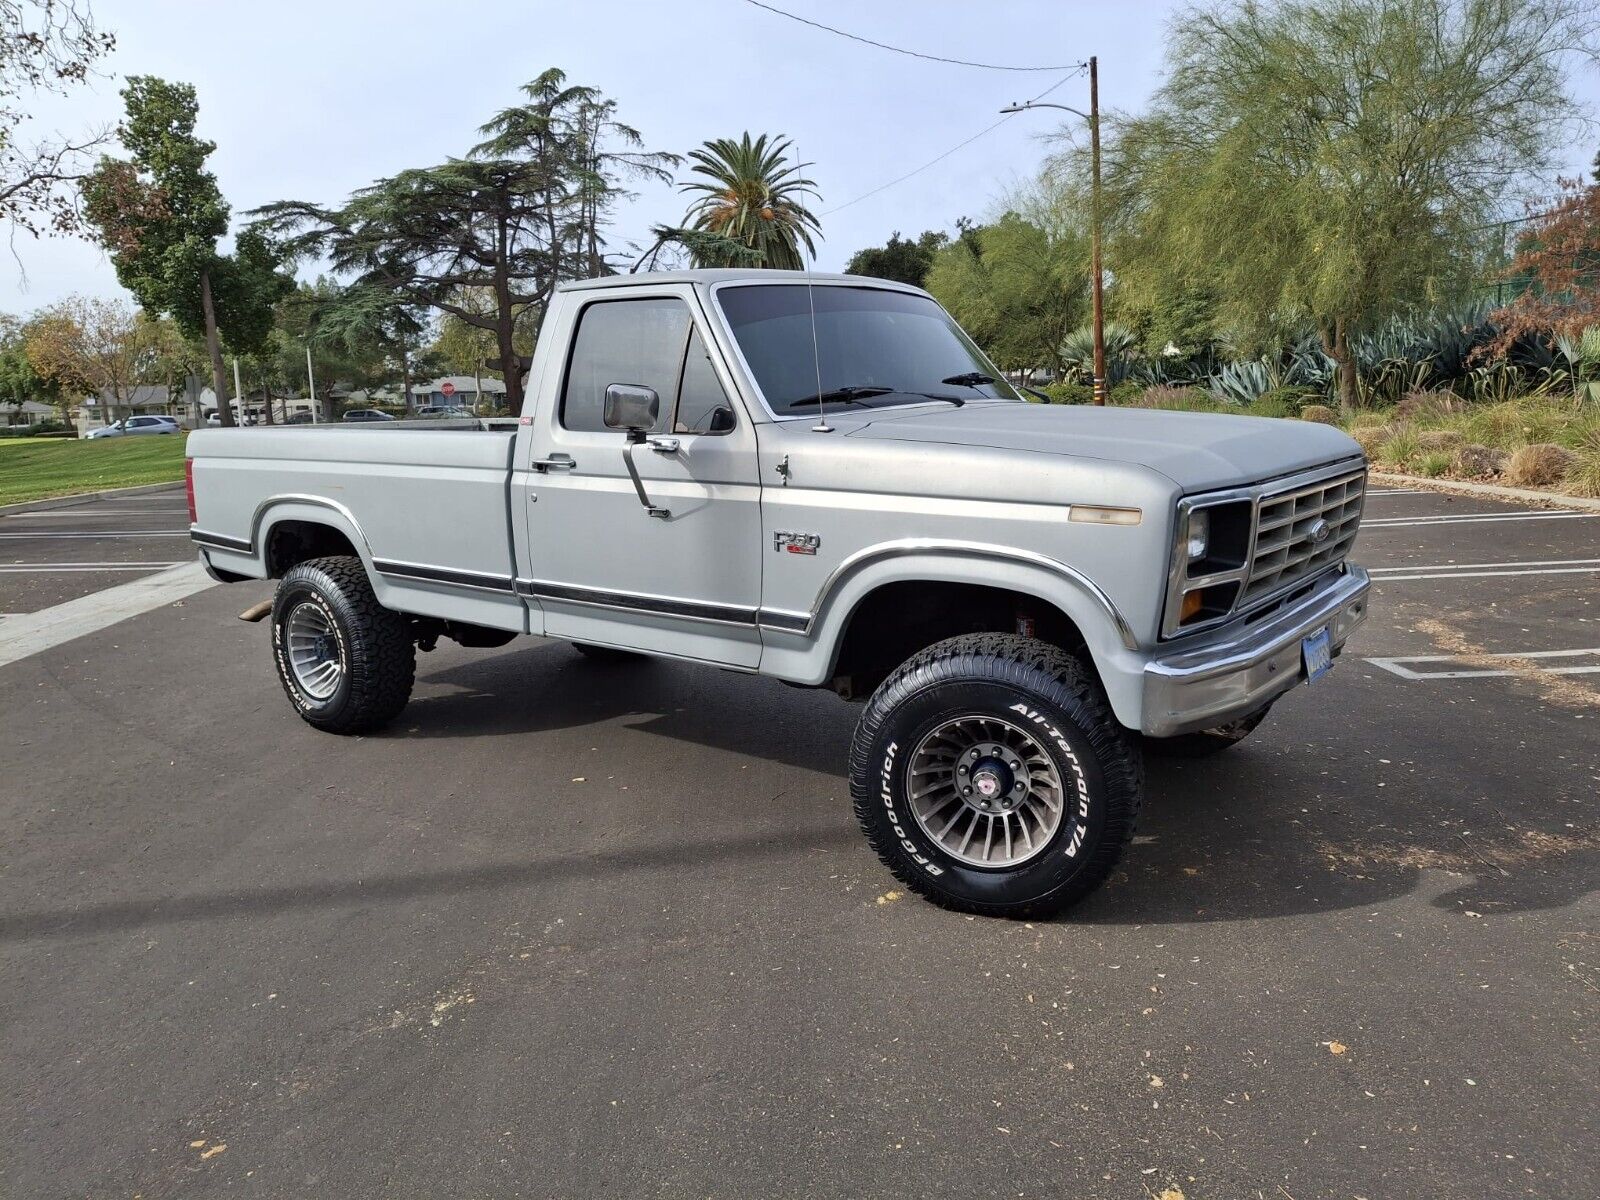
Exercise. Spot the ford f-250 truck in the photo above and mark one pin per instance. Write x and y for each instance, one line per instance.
(822, 479)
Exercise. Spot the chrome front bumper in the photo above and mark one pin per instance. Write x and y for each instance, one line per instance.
(1239, 673)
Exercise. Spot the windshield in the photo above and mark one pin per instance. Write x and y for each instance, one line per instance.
(874, 347)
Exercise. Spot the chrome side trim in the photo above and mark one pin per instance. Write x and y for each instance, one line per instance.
(981, 550)
(662, 606)
(480, 580)
(221, 541)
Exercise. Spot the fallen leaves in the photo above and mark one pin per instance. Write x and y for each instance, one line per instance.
(1336, 1048)
(889, 897)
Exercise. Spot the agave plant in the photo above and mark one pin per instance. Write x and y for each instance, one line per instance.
(753, 195)
(1582, 354)
(1244, 382)
(1122, 354)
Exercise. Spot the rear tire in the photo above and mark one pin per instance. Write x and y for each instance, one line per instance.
(1040, 730)
(346, 663)
(1206, 742)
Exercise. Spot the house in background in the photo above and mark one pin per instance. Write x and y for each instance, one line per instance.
(29, 412)
(464, 393)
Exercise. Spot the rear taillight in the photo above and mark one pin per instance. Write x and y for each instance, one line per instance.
(188, 487)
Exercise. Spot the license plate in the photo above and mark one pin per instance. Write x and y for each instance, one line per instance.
(1316, 653)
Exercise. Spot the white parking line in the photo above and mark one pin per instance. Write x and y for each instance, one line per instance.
(1537, 566)
(89, 533)
(56, 568)
(1396, 666)
(1400, 492)
(1477, 519)
(32, 633)
(72, 514)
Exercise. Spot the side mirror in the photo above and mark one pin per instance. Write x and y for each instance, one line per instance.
(631, 408)
(721, 420)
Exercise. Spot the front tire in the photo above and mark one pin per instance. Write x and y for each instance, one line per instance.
(991, 777)
(346, 663)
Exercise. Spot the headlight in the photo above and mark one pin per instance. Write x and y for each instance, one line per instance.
(1198, 538)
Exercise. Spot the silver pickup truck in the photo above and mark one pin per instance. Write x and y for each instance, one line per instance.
(822, 479)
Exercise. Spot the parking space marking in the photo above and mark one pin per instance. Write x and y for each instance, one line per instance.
(1537, 566)
(32, 633)
(1563, 514)
(1535, 658)
(52, 568)
(97, 534)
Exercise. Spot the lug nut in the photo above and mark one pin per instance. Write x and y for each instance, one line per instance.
(966, 791)
(962, 769)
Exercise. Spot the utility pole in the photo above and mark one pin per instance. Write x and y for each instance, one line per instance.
(238, 389)
(1094, 205)
(1096, 270)
(311, 385)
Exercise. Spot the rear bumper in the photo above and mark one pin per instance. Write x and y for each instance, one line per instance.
(1234, 676)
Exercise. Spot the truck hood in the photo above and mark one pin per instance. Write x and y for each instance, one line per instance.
(1197, 451)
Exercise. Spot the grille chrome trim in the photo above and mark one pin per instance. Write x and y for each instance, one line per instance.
(1282, 554)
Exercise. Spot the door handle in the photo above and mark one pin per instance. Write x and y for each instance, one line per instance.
(662, 445)
(556, 462)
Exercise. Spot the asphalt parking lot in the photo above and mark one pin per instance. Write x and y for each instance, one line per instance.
(575, 929)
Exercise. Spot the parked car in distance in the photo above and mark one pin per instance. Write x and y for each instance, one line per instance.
(299, 418)
(439, 410)
(358, 415)
(822, 480)
(134, 426)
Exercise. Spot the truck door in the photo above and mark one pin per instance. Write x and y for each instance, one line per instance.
(682, 575)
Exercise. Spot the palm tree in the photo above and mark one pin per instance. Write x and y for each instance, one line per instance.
(753, 196)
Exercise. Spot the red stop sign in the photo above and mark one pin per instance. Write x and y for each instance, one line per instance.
(448, 388)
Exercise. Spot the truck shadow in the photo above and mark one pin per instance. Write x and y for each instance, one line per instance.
(1263, 830)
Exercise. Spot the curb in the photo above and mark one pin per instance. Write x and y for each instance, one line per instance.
(1494, 490)
(88, 497)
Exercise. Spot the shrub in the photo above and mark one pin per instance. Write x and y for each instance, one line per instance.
(1069, 393)
(1439, 439)
(1583, 478)
(1176, 399)
(1479, 462)
(1370, 437)
(1540, 465)
(1400, 448)
(1290, 400)
(1428, 406)
(1320, 413)
(1126, 392)
(1434, 463)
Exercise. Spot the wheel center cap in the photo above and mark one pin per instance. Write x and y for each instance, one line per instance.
(987, 783)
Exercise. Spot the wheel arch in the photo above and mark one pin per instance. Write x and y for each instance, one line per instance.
(987, 573)
(290, 529)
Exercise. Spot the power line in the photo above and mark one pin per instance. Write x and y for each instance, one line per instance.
(959, 62)
(1074, 73)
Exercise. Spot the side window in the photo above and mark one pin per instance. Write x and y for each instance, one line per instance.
(623, 341)
(703, 406)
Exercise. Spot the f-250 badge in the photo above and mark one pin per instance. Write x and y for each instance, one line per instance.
(795, 543)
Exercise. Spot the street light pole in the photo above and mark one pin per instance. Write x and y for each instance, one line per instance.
(1097, 281)
(311, 384)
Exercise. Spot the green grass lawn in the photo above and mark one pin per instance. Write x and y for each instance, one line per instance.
(34, 468)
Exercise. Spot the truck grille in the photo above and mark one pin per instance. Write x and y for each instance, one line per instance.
(1292, 542)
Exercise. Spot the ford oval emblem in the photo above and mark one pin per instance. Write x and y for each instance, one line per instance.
(1319, 531)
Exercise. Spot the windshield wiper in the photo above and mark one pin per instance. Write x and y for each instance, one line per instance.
(844, 395)
(970, 379)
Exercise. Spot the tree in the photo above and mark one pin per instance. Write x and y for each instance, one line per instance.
(754, 196)
(19, 382)
(901, 259)
(1558, 262)
(1329, 160)
(160, 215)
(99, 348)
(46, 46)
(1016, 286)
(526, 209)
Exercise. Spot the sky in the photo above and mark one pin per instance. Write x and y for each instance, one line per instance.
(309, 101)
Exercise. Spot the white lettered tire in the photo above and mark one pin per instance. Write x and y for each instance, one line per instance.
(991, 777)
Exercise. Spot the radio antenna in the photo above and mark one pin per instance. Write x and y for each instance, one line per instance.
(822, 425)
